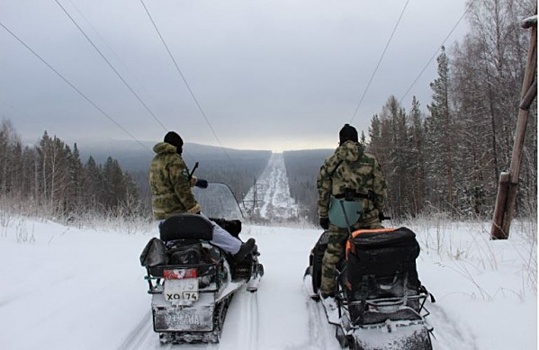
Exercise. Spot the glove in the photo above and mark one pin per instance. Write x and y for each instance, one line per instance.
(201, 183)
(382, 217)
(324, 223)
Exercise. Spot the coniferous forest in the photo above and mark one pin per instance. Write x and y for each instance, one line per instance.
(49, 179)
(448, 159)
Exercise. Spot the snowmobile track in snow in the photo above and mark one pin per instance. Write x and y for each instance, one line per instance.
(448, 333)
(142, 336)
(322, 332)
(248, 318)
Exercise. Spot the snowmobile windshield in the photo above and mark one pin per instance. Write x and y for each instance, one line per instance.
(218, 201)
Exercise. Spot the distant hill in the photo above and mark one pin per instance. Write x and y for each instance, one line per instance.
(302, 168)
(134, 156)
(236, 168)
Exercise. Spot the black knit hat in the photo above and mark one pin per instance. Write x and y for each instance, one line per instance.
(174, 139)
(347, 133)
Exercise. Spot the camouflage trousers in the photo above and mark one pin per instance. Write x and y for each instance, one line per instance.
(333, 254)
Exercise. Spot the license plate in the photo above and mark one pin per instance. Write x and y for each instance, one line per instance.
(183, 319)
(183, 291)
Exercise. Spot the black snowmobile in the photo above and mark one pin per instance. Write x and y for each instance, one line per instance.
(380, 299)
(192, 282)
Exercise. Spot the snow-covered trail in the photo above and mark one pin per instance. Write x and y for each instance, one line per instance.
(75, 288)
(277, 317)
(68, 288)
(270, 197)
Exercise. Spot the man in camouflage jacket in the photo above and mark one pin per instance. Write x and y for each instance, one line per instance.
(348, 171)
(170, 184)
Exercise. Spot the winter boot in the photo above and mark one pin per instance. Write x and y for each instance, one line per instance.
(245, 249)
(330, 306)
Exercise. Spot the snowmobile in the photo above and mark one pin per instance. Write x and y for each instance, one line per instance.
(191, 281)
(380, 300)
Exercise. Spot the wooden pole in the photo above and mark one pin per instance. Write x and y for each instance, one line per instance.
(508, 183)
(496, 232)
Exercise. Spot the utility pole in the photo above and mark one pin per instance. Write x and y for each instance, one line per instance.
(254, 202)
(508, 183)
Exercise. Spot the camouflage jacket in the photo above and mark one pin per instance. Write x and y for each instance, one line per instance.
(350, 168)
(170, 183)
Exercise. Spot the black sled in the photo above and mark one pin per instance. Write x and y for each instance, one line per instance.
(379, 296)
(191, 281)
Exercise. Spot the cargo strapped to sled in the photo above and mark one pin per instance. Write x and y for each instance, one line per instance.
(154, 253)
(381, 267)
(382, 254)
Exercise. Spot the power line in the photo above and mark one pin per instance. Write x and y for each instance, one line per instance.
(110, 65)
(184, 80)
(73, 86)
(379, 61)
(102, 39)
(437, 50)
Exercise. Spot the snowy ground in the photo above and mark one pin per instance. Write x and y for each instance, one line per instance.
(69, 288)
(75, 288)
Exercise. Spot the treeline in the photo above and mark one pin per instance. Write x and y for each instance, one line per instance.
(449, 158)
(50, 180)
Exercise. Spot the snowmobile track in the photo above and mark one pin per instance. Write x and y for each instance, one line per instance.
(142, 337)
(243, 308)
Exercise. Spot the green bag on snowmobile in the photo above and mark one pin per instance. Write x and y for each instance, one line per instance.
(344, 213)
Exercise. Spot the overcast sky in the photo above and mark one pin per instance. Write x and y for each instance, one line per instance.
(260, 74)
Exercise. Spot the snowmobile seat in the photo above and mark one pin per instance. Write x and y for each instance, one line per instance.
(186, 226)
(382, 263)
